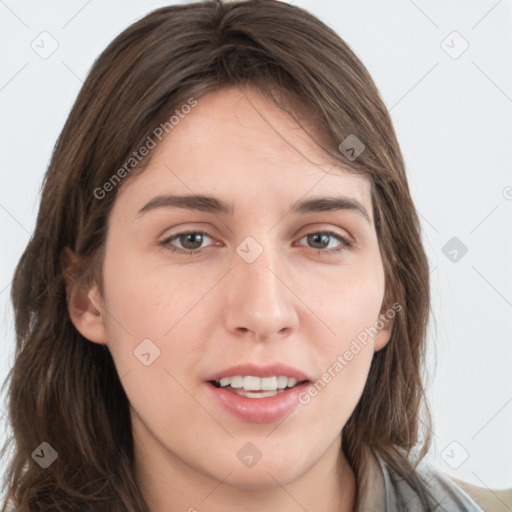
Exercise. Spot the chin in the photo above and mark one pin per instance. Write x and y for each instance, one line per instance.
(257, 480)
(264, 474)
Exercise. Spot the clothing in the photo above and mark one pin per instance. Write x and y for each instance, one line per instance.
(382, 490)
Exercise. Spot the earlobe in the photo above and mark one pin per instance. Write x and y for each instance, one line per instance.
(84, 301)
(382, 338)
(385, 325)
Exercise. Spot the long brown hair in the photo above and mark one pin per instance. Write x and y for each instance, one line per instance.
(63, 389)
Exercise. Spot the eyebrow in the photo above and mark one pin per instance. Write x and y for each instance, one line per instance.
(214, 205)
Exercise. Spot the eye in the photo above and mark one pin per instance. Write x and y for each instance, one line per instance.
(190, 242)
(322, 240)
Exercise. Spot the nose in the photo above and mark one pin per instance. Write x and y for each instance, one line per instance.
(260, 301)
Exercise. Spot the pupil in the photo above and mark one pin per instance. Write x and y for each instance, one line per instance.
(321, 236)
(191, 237)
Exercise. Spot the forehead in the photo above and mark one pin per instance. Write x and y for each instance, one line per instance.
(238, 145)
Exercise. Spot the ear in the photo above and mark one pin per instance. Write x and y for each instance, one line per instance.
(84, 301)
(385, 323)
(383, 336)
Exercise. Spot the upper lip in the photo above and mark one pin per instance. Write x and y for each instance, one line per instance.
(276, 369)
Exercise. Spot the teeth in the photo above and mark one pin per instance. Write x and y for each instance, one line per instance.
(282, 382)
(291, 382)
(268, 383)
(250, 383)
(234, 382)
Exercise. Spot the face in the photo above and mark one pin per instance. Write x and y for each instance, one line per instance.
(193, 291)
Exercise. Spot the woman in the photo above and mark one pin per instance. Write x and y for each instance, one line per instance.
(225, 299)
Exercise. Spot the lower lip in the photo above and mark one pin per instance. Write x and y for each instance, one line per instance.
(259, 410)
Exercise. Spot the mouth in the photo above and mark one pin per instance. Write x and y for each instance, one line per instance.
(250, 386)
(258, 394)
(253, 399)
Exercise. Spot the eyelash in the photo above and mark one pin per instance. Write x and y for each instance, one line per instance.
(166, 243)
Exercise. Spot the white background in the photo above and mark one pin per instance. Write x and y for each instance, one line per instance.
(453, 118)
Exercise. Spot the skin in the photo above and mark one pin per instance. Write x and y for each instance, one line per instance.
(213, 310)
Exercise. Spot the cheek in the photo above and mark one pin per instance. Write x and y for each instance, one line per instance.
(348, 306)
(347, 302)
(152, 317)
(149, 301)
(149, 332)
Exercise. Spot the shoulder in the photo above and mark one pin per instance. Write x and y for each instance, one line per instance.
(444, 493)
(491, 500)
(385, 490)
(453, 492)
